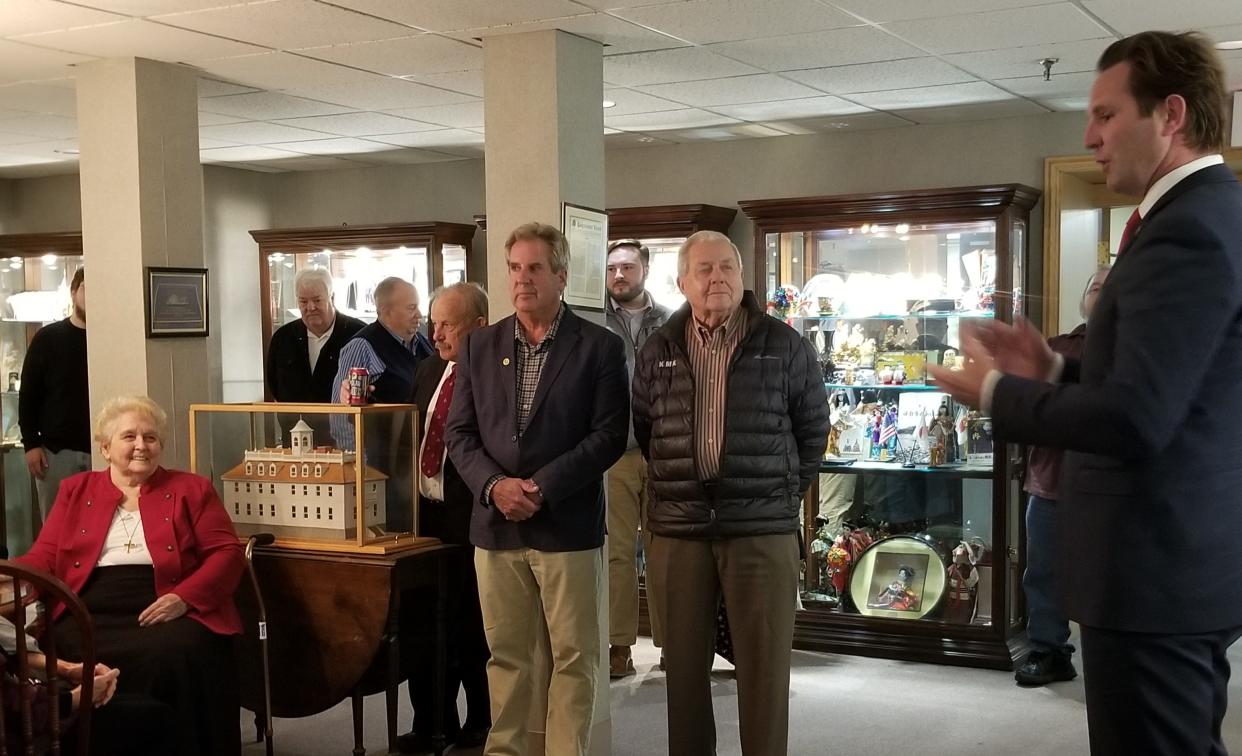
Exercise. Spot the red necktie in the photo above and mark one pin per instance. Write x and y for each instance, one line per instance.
(1128, 232)
(433, 447)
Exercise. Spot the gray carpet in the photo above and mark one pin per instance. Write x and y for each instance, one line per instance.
(840, 705)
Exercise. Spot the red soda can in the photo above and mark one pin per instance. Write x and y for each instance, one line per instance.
(359, 386)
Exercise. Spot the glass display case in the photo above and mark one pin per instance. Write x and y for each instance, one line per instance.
(662, 229)
(344, 478)
(913, 529)
(35, 273)
(427, 255)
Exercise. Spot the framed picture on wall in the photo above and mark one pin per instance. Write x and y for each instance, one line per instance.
(176, 302)
(586, 230)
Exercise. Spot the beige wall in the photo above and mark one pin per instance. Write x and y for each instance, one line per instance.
(6, 206)
(40, 205)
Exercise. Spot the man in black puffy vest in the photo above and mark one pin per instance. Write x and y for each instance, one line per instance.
(730, 411)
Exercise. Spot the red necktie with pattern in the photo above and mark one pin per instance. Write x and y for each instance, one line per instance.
(1128, 232)
(433, 447)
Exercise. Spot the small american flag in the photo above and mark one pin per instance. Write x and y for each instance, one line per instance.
(889, 429)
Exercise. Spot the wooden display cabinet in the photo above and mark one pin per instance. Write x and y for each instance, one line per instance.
(886, 282)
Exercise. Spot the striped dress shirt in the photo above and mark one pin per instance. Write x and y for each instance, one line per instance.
(711, 351)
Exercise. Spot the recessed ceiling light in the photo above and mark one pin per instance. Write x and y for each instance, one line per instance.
(837, 125)
(1233, 44)
(646, 139)
(69, 151)
(609, 104)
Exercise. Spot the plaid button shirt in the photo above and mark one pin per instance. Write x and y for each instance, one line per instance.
(530, 361)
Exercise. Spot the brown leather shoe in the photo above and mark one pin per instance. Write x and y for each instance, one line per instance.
(620, 664)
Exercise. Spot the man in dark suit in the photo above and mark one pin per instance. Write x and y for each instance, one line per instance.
(540, 412)
(302, 356)
(1149, 513)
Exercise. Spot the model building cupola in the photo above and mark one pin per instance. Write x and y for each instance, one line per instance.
(301, 439)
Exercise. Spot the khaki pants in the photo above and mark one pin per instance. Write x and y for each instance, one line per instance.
(519, 591)
(758, 576)
(627, 512)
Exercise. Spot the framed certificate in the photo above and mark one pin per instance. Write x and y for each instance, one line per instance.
(176, 302)
(586, 230)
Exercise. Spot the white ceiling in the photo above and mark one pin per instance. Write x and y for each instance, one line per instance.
(318, 84)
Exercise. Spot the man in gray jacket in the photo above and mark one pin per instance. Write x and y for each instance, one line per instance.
(633, 315)
(730, 412)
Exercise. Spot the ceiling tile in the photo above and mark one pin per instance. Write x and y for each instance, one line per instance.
(467, 115)
(144, 39)
(619, 4)
(721, 133)
(406, 56)
(57, 149)
(880, 11)
(7, 139)
(152, 7)
(931, 97)
(732, 90)
(215, 119)
(625, 139)
(407, 157)
(439, 138)
(44, 126)
(40, 98)
(666, 66)
(216, 88)
(706, 21)
(684, 118)
(806, 107)
(1130, 17)
(19, 62)
(617, 35)
(629, 101)
(258, 132)
(27, 16)
(241, 154)
(836, 47)
(272, 24)
(9, 160)
(1229, 33)
(309, 163)
(337, 146)
(211, 144)
(1041, 24)
(1012, 62)
(452, 15)
(831, 124)
(973, 112)
(1065, 104)
(267, 106)
(889, 74)
(466, 82)
(381, 94)
(358, 124)
(1060, 85)
(280, 70)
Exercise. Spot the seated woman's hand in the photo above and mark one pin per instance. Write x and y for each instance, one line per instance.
(164, 609)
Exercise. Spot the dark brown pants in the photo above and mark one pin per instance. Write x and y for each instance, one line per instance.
(758, 576)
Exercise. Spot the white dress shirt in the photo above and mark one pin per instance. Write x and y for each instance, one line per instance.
(314, 344)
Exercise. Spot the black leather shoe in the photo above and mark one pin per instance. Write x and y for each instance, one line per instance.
(1043, 667)
(473, 737)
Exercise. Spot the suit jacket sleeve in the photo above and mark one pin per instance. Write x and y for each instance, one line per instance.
(1174, 305)
(605, 442)
(269, 369)
(221, 561)
(461, 431)
(808, 412)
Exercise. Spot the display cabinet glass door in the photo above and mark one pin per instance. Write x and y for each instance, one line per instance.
(355, 274)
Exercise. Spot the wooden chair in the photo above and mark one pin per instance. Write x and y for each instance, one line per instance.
(22, 585)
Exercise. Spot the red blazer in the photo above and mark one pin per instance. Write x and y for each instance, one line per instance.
(195, 551)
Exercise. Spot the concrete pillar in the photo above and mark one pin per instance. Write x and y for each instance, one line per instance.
(142, 205)
(544, 120)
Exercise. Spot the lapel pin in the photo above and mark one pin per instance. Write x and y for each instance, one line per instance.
(505, 361)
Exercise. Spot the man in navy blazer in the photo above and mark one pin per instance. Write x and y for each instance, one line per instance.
(540, 412)
(1150, 512)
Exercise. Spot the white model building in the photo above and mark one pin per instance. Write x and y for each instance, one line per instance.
(302, 491)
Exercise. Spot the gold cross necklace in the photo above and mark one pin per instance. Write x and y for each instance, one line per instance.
(124, 515)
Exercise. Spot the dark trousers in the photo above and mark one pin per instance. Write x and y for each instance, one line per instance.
(1150, 694)
(1046, 626)
(758, 577)
(466, 645)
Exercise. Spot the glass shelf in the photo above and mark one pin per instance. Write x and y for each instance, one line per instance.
(860, 466)
(916, 315)
(885, 386)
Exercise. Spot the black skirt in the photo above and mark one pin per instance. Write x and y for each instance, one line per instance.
(179, 664)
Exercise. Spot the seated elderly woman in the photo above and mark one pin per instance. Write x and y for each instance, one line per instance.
(153, 555)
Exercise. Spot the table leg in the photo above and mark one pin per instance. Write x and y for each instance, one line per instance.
(393, 642)
(437, 736)
(359, 748)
